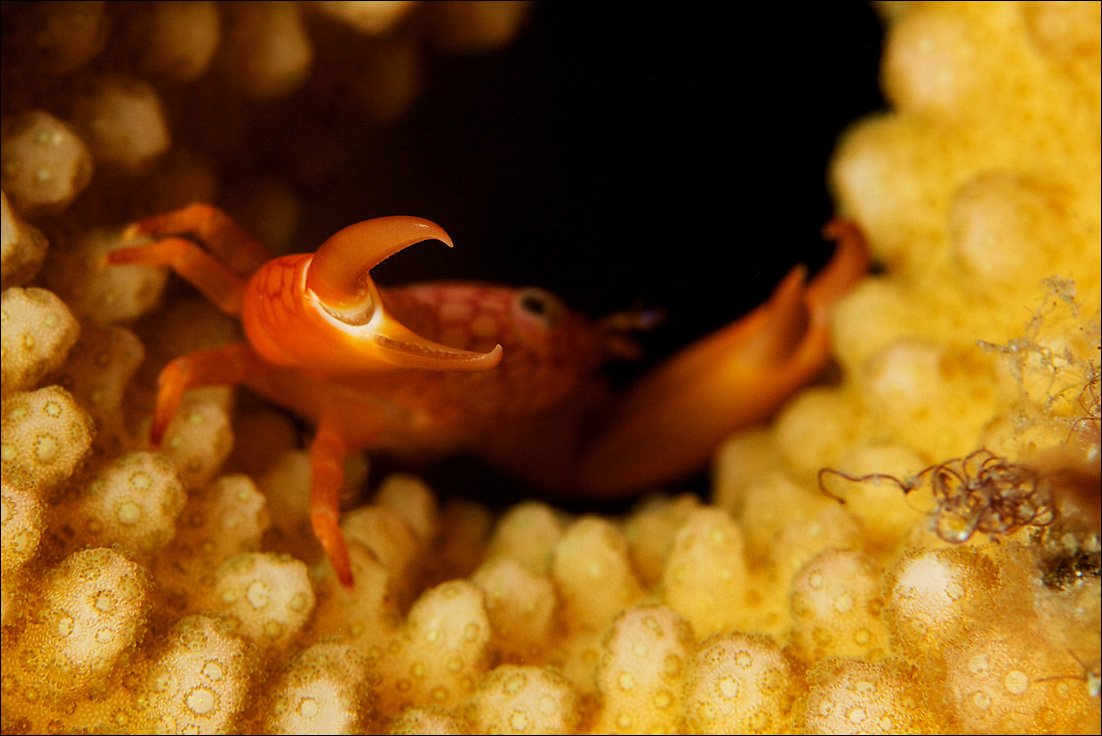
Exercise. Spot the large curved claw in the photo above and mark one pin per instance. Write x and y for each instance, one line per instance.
(322, 311)
(339, 272)
(338, 281)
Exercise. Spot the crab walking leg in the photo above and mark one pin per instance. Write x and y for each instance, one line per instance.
(220, 284)
(327, 455)
(227, 365)
(672, 421)
(212, 227)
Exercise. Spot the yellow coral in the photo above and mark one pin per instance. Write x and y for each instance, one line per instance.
(369, 17)
(61, 37)
(651, 530)
(131, 503)
(197, 680)
(428, 720)
(266, 598)
(122, 120)
(853, 696)
(92, 614)
(46, 436)
(521, 606)
(97, 372)
(22, 247)
(267, 51)
(177, 40)
(325, 689)
(1000, 676)
(592, 571)
(442, 652)
(705, 572)
(740, 683)
(641, 674)
(23, 523)
(44, 164)
(527, 533)
(937, 594)
(183, 590)
(38, 332)
(199, 439)
(220, 520)
(99, 294)
(836, 607)
(519, 700)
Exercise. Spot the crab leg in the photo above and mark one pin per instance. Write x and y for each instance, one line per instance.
(212, 227)
(219, 274)
(327, 454)
(671, 422)
(227, 365)
(213, 278)
(236, 364)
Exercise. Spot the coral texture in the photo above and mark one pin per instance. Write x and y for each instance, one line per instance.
(913, 548)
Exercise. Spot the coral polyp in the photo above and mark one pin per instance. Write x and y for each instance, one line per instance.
(179, 589)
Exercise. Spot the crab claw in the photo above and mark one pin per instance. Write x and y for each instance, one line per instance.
(338, 279)
(339, 272)
(672, 421)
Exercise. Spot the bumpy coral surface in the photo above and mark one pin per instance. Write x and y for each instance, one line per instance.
(940, 575)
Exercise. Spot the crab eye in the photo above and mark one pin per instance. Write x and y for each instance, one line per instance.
(540, 304)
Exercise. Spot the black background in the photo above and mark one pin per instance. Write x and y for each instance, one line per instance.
(625, 157)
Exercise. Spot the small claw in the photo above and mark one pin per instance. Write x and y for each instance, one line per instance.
(672, 421)
(125, 256)
(161, 419)
(848, 266)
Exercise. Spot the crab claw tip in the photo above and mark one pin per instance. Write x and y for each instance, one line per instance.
(340, 268)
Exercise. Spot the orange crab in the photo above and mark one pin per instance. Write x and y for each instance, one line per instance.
(438, 368)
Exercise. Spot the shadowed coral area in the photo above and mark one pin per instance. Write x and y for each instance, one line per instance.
(911, 546)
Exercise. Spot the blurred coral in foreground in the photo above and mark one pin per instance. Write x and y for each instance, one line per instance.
(182, 591)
